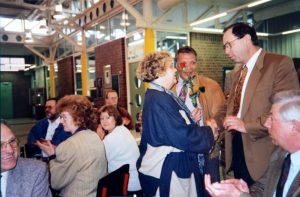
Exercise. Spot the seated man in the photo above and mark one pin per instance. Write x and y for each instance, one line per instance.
(48, 128)
(283, 175)
(112, 98)
(19, 176)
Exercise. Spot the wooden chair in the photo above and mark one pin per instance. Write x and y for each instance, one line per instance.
(115, 183)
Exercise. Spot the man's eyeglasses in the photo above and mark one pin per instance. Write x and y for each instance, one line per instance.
(228, 45)
(14, 143)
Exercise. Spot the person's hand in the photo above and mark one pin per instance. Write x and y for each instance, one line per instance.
(234, 123)
(197, 114)
(46, 146)
(220, 189)
(214, 127)
(100, 132)
(240, 184)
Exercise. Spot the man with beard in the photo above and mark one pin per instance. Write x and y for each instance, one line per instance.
(19, 176)
(46, 129)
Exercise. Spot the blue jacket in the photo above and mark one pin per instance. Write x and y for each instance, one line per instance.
(38, 131)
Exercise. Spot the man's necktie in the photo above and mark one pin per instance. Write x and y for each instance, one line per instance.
(238, 90)
(183, 91)
(283, 176)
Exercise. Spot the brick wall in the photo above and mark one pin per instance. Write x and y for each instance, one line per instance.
(211, 57)
(113, 54)
(65, 76)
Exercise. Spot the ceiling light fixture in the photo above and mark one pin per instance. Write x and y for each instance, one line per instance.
(257, 3)
(220, 31)
(290, 32)
(208, 19)
(248, 5)
(208, 30)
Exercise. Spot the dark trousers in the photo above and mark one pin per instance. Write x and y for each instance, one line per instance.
(238, 165)
(212, 168)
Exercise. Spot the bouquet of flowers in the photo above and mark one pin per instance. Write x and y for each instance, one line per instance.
(194, 86)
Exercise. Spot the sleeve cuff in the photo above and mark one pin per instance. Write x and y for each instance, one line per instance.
(52, 157)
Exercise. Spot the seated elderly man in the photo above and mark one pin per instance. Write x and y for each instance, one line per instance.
(19, 176)
(283, 175)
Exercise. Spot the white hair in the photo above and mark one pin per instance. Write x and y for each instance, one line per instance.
(290, 101)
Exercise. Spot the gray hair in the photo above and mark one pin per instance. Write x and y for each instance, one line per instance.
(290, 101)
(3, 122)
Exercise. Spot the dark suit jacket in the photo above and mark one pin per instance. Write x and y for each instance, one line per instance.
(272, 73)
(28, 179)
(266, 186)
(38, 131)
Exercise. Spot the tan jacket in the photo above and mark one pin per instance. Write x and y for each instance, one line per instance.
(80, 163)
(272, 73)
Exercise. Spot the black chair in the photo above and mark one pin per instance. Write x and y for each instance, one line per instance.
(115, 183)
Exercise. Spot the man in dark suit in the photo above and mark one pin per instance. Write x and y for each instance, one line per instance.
(247, 145)
(283, 124)
(19, 176)
(48, 128)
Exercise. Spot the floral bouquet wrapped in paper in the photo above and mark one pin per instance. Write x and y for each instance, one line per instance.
(193, 85)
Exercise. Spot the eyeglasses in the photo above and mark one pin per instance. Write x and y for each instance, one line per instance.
(229, 44)
(12, 142)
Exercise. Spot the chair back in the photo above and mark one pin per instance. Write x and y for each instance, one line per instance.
(115, 183)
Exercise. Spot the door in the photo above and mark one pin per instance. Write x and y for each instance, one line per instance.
(137, 91)
(6, 100)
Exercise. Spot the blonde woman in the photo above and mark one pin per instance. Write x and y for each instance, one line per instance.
(173, 147)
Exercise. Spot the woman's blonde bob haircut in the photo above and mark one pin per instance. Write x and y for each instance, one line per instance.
(153, 66)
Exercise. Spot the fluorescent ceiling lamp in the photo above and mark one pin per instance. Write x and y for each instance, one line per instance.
(262, 34)
(209, 30)
(257, 3)
(290, 32)
(220, 31)
(176, 37)
(208, 19)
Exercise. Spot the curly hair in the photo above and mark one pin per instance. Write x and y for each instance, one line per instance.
(81, 110)
(112, 111)
(153, 66)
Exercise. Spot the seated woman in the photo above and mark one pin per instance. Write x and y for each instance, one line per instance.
(120, 146)
(173, 147)
(79, 162)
